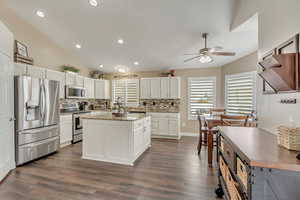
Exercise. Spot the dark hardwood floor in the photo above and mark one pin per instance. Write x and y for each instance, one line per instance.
(169, 170)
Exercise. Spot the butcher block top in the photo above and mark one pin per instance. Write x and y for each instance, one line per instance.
(110, 116)
(261, 148)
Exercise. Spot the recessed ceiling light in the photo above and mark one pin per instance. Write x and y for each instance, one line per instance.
(120, 41)
(136, 63)
(93, 3)
(101, 66)
(78, 46)
(40, 14)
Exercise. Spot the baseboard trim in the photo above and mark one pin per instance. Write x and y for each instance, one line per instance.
(189, 134)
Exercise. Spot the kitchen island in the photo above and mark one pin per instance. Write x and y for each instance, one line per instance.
(120, 140)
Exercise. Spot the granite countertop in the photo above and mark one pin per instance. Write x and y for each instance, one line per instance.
(128, 117)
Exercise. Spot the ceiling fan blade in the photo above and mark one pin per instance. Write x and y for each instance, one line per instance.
(214, 49)
(223, 53)
(191, 54)
(187, 60)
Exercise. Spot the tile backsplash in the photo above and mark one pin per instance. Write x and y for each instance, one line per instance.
(160, 105)
(93, 104)
(147, 105)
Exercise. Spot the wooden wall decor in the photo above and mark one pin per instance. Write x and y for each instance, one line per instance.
(21, 54)
(280, 66)
(267, 89)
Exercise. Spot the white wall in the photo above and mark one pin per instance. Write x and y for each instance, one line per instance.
(43, 50)
(278, 21)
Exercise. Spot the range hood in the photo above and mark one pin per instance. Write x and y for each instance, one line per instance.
(281, 72)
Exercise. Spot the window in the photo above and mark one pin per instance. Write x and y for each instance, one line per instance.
(240, 93)
(127, 90)
(202, 94)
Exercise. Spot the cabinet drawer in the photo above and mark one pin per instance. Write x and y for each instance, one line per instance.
(228, 154)
(66, 118)
(242, 172)
(173, 115)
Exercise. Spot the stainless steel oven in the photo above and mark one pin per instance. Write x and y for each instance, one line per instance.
(73, 92)
(77, 126)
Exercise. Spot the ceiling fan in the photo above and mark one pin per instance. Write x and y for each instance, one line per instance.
(205, 54)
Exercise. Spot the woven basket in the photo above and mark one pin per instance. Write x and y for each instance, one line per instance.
(289, 137)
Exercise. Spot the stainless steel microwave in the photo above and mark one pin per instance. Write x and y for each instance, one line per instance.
(73, 92)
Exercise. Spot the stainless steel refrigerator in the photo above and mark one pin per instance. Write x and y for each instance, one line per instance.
(37, 118)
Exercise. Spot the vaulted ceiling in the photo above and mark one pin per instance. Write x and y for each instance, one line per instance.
(156, 33)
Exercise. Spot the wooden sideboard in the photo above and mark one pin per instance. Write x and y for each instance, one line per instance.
(252, 166)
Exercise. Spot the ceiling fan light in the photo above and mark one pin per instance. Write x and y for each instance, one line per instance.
(205, 59)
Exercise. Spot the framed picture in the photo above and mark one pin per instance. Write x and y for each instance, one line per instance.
(21, 49)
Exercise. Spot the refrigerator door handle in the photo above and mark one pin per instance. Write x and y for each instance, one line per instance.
(44, 101)
(41, 101)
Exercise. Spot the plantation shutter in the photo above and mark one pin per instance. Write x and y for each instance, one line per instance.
(132, 93)
(119, 90)
(240, 93)
(202, 94)
(127, 90)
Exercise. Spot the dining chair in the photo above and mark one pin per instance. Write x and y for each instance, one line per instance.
(217, 111)
(203, 132)
(234, 120)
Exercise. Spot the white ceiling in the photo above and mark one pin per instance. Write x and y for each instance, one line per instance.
(156, 32)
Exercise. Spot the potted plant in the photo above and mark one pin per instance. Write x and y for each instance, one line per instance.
(68, 68)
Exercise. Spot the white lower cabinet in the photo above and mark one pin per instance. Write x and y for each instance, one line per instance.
(66, 130)
(165, 125)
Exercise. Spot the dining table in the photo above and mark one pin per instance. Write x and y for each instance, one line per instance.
(211, 122)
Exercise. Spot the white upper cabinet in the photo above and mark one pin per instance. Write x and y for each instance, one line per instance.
(20, 69)
(160, 88)
(79, 81)
(70, 78)
(89, 85)
(175, 86)
(102, 89)
(36, 72)
(74, 79)
(165, 88)
(155, 88)
(57, 76)
(145, 88)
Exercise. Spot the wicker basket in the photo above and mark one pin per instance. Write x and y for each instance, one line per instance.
(289, 137)
(223, 167)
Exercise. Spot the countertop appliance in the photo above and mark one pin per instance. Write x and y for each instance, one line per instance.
(37, 118)
(73, 92)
